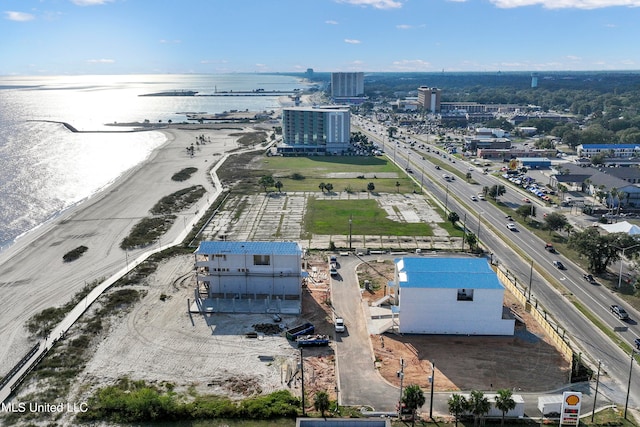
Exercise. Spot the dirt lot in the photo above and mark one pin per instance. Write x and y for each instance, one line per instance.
(525, 362)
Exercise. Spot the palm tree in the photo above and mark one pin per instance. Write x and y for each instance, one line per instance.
(568, 228)
(278, 185)
(322, 186)
(505, 402)
(485, 190)
(371, 187)
(413, 399)
(321, 402)
(479, 405)
(457, 405)
(397, 186)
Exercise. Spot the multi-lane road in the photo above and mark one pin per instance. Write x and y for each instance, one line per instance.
(523, 253)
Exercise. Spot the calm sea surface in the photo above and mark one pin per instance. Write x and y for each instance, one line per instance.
(44, 168)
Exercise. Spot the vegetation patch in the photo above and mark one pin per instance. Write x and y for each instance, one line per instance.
(74, 254)
(250, 139)
(147, 231)
(136, 401)
(41, 324)
(184, 174)
(367, 218)
(181, 199)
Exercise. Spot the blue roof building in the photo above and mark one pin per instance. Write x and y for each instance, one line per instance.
(460, 296)
(250, 276)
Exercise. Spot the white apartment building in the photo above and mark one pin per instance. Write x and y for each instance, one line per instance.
(347, 85)
(453, 296)
(247, 272)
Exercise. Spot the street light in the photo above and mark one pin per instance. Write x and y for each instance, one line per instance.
(350, 224)
(621, 262)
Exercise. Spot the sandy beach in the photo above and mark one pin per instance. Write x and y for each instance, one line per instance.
(33, 274)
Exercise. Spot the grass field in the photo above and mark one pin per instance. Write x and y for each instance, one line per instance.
(367, 218)
(306, 173)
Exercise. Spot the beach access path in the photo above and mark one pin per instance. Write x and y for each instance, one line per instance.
(33, 275)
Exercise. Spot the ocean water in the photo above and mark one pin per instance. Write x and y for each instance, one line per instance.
(45, 168)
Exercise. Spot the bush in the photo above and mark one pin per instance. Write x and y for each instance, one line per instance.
(184, 174)
(74, 254)
(135, 401)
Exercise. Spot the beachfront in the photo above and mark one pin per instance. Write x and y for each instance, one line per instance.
(34, 276)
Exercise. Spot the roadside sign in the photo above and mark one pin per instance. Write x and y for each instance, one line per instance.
(570, 412)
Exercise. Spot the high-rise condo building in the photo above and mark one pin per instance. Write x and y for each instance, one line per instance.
(429, 98)
(347, 86)
(315, 130)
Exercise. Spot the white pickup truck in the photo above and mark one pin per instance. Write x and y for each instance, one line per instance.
(339, 324)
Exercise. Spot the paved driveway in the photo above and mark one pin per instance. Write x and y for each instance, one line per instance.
(359, 381)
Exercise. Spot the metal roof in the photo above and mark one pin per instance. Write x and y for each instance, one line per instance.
(471, 273)
(265, 248)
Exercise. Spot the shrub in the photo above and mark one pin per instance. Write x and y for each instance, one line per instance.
(74, 254)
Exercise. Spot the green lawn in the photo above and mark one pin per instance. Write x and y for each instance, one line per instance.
(332, 217)
(316, 170)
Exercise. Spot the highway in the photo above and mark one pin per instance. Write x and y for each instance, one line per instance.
(523, 254)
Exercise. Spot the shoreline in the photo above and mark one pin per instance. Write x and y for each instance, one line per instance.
(99, 222)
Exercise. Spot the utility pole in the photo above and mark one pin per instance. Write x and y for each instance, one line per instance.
(530, 281)
(595, 395)
(302, 379)
(400, 374)
(433, 379)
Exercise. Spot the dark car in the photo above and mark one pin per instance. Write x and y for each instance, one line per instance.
(637, 343)
(558, 265)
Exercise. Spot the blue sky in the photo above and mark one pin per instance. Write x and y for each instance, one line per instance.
(53, 37)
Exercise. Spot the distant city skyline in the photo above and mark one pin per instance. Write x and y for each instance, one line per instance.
(57, 37)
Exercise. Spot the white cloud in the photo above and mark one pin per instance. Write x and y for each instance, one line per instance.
(352, 41)
(101, 61)
(18, 16)
(458, 1)
(331, 22)
(404, 27)
(412, 65)
(573, 58)
(376, 4)
(565, 4)
(90, 2)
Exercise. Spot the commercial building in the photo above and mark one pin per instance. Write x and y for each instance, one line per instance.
(347, 87)
(608, 150)
(429, 98)
(315, 130)
(457, 296)
(250, 276)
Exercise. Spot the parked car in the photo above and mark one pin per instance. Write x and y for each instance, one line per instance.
(339, 324)
(559, 265)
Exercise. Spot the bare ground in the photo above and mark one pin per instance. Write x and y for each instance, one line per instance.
(525, 362)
